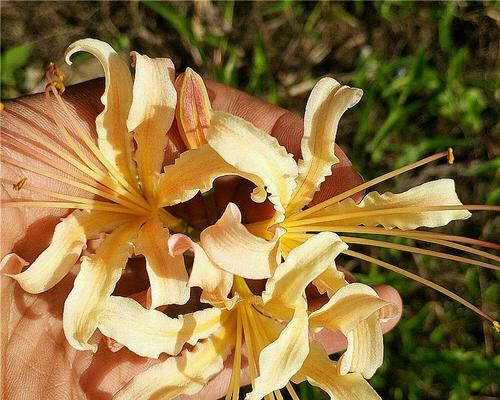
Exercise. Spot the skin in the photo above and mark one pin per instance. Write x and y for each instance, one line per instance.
(37, 362)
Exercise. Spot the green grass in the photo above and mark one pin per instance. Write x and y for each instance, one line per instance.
(429, 72)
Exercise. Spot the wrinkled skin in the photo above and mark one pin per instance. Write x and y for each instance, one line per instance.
(37, 361)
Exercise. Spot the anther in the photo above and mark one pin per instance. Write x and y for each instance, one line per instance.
(57, 73)
(2, 106)
(19, 185)
(451, 157)
(496, 325)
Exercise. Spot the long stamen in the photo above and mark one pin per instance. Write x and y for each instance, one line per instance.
(106, 183)
(58, 177)
(366, 185)
(91, 145)
(233, 391)
(421, 280)
(426, 236)
(252, 366)
(409, 249)
(390, 211)
(91, 205)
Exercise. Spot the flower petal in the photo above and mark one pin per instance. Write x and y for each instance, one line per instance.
(330, 281)
(68, 241)
(151, 115)
(365, 348)
(93, 285)
(231, 247)
(253, 151)
(440, 192)
(149, 333)
(195, 171)
(281, 359)
(326, 105)
(356, 311)
(215, 282)
(167, 274)
(114, 140)
(303, 264)
(185, 374)
(320, 371)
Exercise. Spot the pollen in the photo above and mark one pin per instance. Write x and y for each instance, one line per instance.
(451, 157)
(19, 185)
(496, 325)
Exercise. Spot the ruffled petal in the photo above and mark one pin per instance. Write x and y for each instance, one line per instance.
(195, 171)
(356, 311)
(253, 151)
(365, 348)
(440, 192)
(114, 140)
(149, 333)
(330, 281)
(231, 247)
(326, 105)
(281, 359)
(93, 285)
(215, 282)
(320, 371)
(151, 115)
(167, 274)
(70, 237)
(185, 374)
(303, 264)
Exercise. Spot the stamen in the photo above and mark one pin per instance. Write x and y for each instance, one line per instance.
(2, 106)
(366, 185)
(389, 211)
(421, 280)
(432, 237)
(233, 391)
(83, 186)
(496, 325)
(92, 205)
(19, 185)
(252, 366)
(416, 250)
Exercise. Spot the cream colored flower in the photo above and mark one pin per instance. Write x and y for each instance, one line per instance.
(129, 182)
(291, 188)
(273, 327)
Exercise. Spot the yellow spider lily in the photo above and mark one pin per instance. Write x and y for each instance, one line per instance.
(128, 179)
(292, 186)
(273, 327)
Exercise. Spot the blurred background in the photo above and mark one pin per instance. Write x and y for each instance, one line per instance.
(430, 75)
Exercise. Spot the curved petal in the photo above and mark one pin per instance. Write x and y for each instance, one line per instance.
(281, 359)
(365, 348)
(167, 274)
(326, 105)
(320, 371)
(151, 115)
(356, 311)
(149, 333)
(440, 192)
(94, 284)
(253, 151)
(303, 264)
(231, 247)
(68, 241)
(185, 374)
(195, 171)
(114, 140)
(215, 282)
(330, 281)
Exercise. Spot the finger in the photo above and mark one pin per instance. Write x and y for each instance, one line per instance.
(335, 341)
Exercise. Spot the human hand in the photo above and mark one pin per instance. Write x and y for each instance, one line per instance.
(33, 343)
